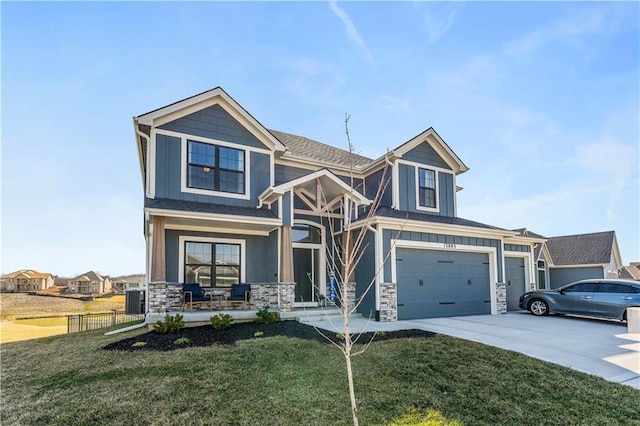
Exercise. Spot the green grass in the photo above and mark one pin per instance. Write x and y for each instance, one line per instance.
(277, 380)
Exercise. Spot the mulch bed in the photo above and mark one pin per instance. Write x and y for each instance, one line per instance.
(207, 336)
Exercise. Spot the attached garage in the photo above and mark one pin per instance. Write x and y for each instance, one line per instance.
(440, 283)
(515, 280)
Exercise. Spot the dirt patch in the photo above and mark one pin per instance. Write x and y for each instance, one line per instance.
(207, 336)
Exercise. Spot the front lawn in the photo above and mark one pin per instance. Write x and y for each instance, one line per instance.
(284, 380)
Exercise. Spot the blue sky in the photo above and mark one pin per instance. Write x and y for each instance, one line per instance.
(540, 100)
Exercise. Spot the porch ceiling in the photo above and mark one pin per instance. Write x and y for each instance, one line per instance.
(209, 225)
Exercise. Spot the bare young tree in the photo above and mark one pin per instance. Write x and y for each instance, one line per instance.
(343, 257)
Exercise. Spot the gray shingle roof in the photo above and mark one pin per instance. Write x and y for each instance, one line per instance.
(192, 206)
(300, 146)
(426, 217)
(582, 249)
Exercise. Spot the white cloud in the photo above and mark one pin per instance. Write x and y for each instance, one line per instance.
(439, 17)
(313, 80)
(352, 32)
(585, 22)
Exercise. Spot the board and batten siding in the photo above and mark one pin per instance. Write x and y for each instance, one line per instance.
(261, 264)
(364, 274)
(407, 187)
(169, 168)
(214, 123)
(561, 276)
(285, 173)
(517, 247)
(425, 154)
(373, 182)
(389, 234)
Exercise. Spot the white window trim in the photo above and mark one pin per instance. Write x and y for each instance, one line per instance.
(416, 176)
(422, 245)
(182, 239)
(528, 268)
(436, 189)
(183, 170)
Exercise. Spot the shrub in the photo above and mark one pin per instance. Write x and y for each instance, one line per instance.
(181, 341)
(221, 321)
(170, 324)
(267, 317)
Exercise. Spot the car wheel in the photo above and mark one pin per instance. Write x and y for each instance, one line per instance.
(539, 307)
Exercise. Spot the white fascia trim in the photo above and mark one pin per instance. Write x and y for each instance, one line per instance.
(212, 216)
(184, 238)
(529, 267)
(287, 186)
(525, 240)
(151, 165)
(439, 228)
(421, 245)
(205, 100)
(183, 169)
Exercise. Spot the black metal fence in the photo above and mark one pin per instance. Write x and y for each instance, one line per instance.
(86, 322)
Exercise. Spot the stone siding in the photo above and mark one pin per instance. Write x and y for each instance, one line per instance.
(388, 302)
(501, 298)
(273, 295)
(166, 297)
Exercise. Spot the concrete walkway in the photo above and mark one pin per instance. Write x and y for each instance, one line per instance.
(601, 348)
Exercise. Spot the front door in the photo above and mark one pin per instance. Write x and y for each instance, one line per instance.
(306, 274)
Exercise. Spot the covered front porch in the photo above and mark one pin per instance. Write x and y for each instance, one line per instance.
(166, 299)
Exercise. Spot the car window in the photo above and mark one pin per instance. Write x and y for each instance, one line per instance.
(582, 288)
(614, 288)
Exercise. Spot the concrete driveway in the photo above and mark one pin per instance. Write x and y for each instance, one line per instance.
(601, 348)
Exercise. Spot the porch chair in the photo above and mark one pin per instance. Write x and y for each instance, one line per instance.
(240, 295)
(193, 294)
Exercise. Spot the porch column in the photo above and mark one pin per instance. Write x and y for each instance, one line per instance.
(158, 261)
(286, 255)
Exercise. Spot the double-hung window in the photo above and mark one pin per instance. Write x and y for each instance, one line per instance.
(215, 168)
(427, 188)
(212, 264)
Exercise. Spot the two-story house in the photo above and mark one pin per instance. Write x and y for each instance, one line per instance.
(228, 200)
(26, 280)
(89, 283)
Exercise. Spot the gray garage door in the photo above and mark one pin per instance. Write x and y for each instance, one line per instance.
(514, 267)
(435, 283)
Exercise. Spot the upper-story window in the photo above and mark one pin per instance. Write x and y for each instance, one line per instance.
(427, 188)
(215, 168)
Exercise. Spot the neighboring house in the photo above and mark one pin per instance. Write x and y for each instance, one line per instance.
(26, 280)
(120, 286)
(230, 201)
(572, 258)
(631, 272)
(89, 283)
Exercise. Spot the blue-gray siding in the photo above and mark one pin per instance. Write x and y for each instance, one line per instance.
(288, 173)
(286, 209)
(517, 247)
(373, 182)
(425, 154)
(407, 187)
(168, 169)
(214, 123)
(261, 264)
(365, 273)
(389, 234)
(561, 276)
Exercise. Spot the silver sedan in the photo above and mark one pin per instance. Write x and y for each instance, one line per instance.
(606, 298)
